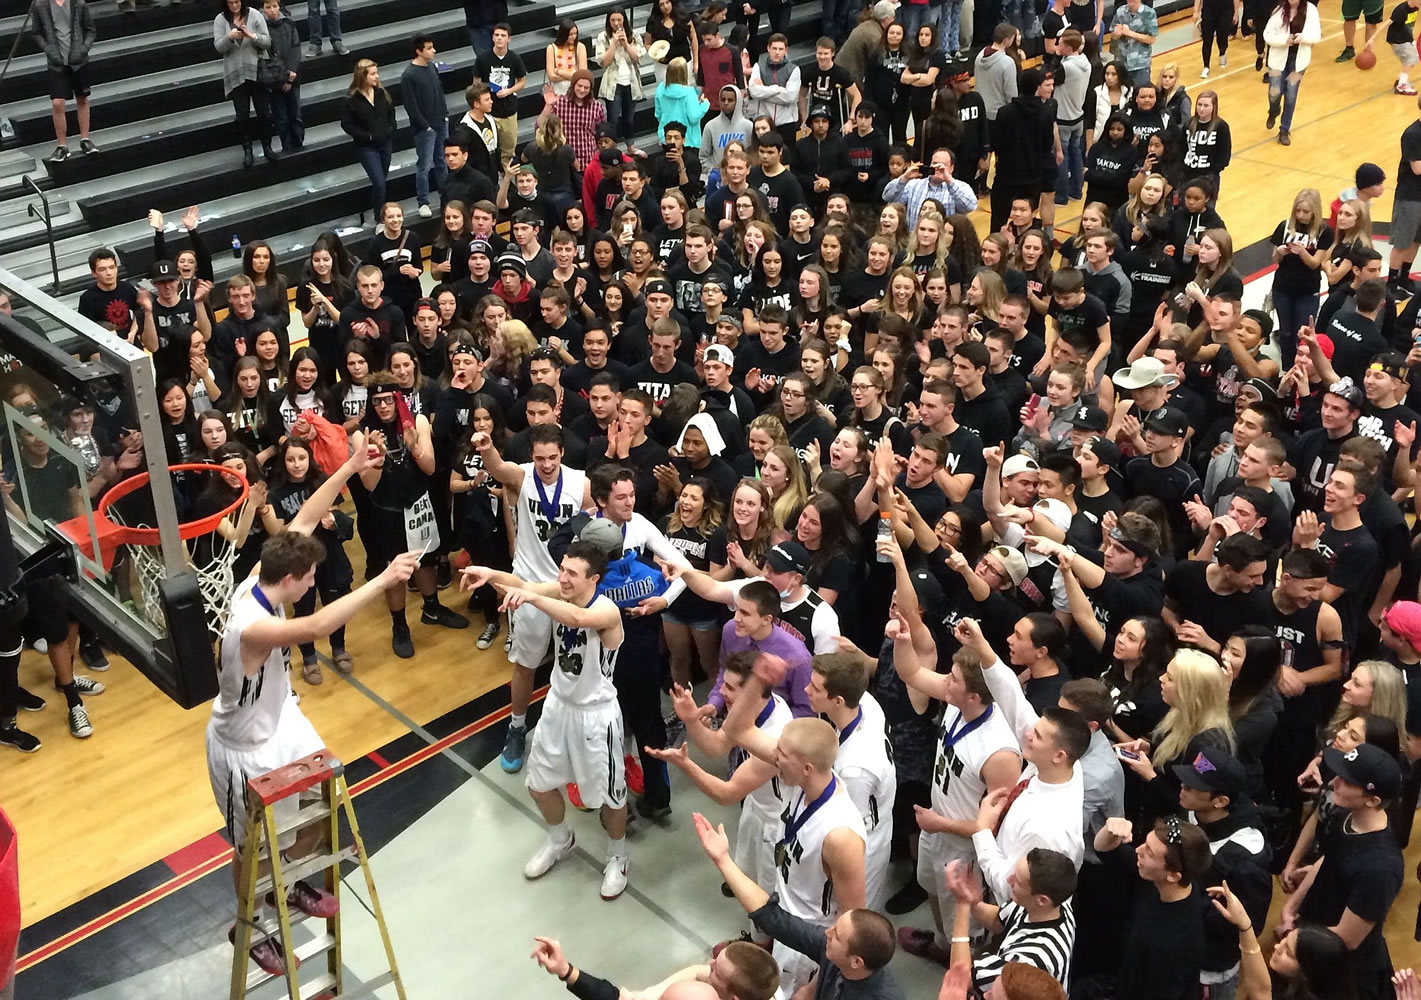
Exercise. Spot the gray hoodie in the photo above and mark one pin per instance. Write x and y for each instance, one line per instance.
(720, 130)
(996, 79)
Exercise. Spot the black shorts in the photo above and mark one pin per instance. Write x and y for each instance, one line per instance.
(66, 82)
(388, 541)
(48, 615)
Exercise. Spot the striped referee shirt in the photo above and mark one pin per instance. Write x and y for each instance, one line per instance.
(1046, 945)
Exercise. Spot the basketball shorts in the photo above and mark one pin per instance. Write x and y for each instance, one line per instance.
(935, 851)
(229, 769)
(583, 745)
(796, 968)
(1353, 9)
(755, 840)
(532, 632)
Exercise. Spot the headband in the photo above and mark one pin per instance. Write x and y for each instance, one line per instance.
(382, 387)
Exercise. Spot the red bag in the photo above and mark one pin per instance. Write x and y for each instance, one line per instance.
(329, 445)
(9, 900)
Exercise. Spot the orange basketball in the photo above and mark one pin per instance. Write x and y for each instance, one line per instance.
(1366, 59)
(460, 559)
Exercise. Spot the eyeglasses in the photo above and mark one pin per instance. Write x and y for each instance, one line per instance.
(862, 387)
(792, 393)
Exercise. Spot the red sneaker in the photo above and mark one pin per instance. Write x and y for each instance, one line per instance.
(923, 943)
(312, 901)
(266, 954)
(636, 781)
(574, 796)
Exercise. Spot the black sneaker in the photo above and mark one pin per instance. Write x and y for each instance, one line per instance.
(648, 811)
(443, 617)
(401, 642)
(13, 736)
(487, 636)
(93, 656)
(29, 702)
(1272, 117)
(61, 153)
(443, 576)
(86, 146)
(1346, 55)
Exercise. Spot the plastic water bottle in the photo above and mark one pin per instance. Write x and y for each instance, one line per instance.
(885, 531)
(236, 247)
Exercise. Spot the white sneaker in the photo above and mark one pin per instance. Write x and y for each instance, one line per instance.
(548, 855)
(425, 211)
(614, 877)
(1223, 60)
(1204, 73)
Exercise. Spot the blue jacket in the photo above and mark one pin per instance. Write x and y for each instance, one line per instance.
(677, 102)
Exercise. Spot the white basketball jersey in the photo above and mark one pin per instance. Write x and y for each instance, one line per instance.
(531, 559)
(767, 801)
(963, 749)
(865, 765)
(583, 665)
(805, 888)
(247, 709)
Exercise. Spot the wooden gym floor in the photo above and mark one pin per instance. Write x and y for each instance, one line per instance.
(94, 811)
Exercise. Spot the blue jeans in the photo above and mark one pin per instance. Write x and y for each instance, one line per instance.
(480, 38)
(1140, 77)
(331, 21)
(377, 167)
(429, 160)
(949, 26)
(1070, 175)
(1021, 14)
(621, 111)
(1284, 90)
(286, 117)
(838, 18)
(911, 15)
(1293, 311)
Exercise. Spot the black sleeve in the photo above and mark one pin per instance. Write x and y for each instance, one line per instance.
(203, 255)
(565, 536)
(1223, 146)
(589, 987)
(790, 930)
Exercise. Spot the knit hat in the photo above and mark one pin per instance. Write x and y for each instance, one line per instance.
(513, 262)
(481, 246)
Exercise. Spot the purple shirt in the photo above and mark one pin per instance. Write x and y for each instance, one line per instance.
(778, 643)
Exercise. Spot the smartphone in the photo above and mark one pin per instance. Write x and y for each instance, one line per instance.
(1034, 401)
(1127, 754)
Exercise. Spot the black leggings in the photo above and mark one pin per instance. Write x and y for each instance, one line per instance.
(245, 98)
(1215, 28)
(11, 645)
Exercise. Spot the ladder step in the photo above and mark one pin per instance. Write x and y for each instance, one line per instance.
(323, 983)
(305, 817)
(365, 989)
(306, 866)
(316, 946)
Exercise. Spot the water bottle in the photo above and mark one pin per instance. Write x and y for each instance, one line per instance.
(885, 530)
(236, 247)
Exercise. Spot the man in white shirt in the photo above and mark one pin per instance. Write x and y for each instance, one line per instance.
(1045, 807)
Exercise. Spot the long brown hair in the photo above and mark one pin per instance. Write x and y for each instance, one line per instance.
(1299, 18)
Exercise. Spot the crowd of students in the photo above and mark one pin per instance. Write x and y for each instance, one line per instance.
(1101, 580)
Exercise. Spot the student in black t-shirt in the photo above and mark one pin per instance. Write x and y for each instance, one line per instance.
(980, 405)
(1206, 602)
(503, 70)
(1163, 473)
(824, 83)
(109, 302)
(1074, 310)
(1352, 888)
(1300, 245)
(170, 320)
(1347, 543)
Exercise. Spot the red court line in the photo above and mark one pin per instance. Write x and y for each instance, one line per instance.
(377, 760)
(212, 862)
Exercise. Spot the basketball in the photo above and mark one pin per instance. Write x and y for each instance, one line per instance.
(1366, 59)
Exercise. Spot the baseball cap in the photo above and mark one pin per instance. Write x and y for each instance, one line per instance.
(1404, 618)
(426, 303)
(1213, 771)
(1391, 362)
(788, 557)
(163, 270)
(1369, 767)
(1369, 174)
(819, 111)
(1348, 390)
(657, 286)
(1018, 464)
(1089, 418)
(932, 600)
(604, 131)
(529, 169)
(721, 353)
(602, 533)
(1012, 561)
(1106, 451)
(1168, 420)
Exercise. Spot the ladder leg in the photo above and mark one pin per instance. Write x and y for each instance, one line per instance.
(246, 902)
(334, 962)
(349, 807)
(283, 911)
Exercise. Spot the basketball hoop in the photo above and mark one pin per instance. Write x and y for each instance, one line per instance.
(214, 572)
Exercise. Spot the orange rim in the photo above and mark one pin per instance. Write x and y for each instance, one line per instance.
(186, 529)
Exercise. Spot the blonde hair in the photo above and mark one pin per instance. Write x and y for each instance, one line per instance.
(1388, 698)
(814, 740)
(1204, 276)
(1201, 702)
(1361, 236)
(678, 71)
(944, 237)
(994, 291)
(796, 492)
(771, 425)
(518, 343)
(357, 78)
(1313, 200)
(549, 134)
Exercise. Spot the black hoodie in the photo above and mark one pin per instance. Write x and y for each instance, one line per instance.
(1109, 167)
(868, 154)
(1024, 138)
(1242, 857)
(730, 422)
(1183, 224)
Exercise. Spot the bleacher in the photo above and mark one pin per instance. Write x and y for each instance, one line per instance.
(166, 138)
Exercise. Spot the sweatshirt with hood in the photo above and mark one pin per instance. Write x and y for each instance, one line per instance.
(721, 130)
(1110, 165)
(774, 89)
(680, 102)
(996, 79)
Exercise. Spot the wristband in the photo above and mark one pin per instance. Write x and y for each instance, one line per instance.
(962, 940)
(566, 975)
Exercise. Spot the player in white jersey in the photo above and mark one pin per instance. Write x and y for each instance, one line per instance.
(753, 782)
(580, 736)
(838, 691)
(256, 725)
(821, 851)
(976, 754)
(548, 495)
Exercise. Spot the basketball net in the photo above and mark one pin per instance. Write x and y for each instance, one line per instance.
(214, 575)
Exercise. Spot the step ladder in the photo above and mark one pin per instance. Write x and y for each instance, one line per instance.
(321, 773)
